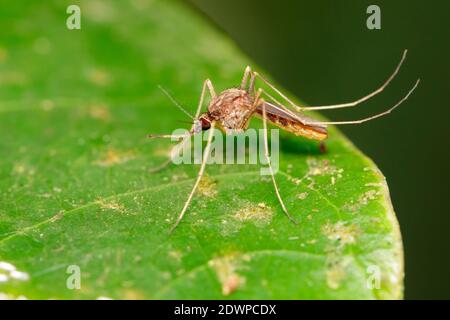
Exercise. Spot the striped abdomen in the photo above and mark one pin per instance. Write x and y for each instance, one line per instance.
(291, 122)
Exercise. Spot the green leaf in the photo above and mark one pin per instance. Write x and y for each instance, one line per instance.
(75, 109)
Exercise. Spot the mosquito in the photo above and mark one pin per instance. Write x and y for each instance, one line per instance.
(231, 110)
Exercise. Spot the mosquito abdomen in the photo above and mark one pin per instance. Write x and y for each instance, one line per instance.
(296, 127)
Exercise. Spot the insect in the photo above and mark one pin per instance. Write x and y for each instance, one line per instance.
(231, 110)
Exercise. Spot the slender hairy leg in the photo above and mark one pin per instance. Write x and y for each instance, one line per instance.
(367, 97)
(378, 115)
(206, 84)
(161, 166)
(199, 177)
(247, 71)
(251, 86)
(282, 107)
(368, 118)
(296, 107)
(266, 154)
(336, 106)
(169, 136)
(274, 100)
(173, 151)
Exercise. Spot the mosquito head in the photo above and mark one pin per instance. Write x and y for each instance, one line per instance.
(203, 123)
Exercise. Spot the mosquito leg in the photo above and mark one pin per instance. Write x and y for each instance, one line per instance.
(168, 136)
(199, 177)
(173, 152)
(266, 154)
(206, 84)
(273, 99)
(161, 166)
(365, 98)
(257, 98)
(336, 106)
(247, 71)
(282, 107)
(251, 86)
(296, 107)
(371, 117)
(322, 147)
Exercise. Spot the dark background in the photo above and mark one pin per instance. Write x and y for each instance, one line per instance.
(323, 52)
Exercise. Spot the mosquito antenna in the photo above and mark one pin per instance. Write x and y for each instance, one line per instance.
(184, 121)
(175, 102)
(371, 117)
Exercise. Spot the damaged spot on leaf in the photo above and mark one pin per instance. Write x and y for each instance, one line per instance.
(113, 157)
(207, 187)
(259, 214)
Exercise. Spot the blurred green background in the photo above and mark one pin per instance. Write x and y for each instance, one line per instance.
(323, 52)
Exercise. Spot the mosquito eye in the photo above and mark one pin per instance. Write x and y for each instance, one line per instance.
(205, 124)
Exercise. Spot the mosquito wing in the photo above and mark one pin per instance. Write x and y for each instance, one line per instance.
(292, 121)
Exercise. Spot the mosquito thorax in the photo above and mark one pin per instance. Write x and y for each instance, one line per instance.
(232, 109)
